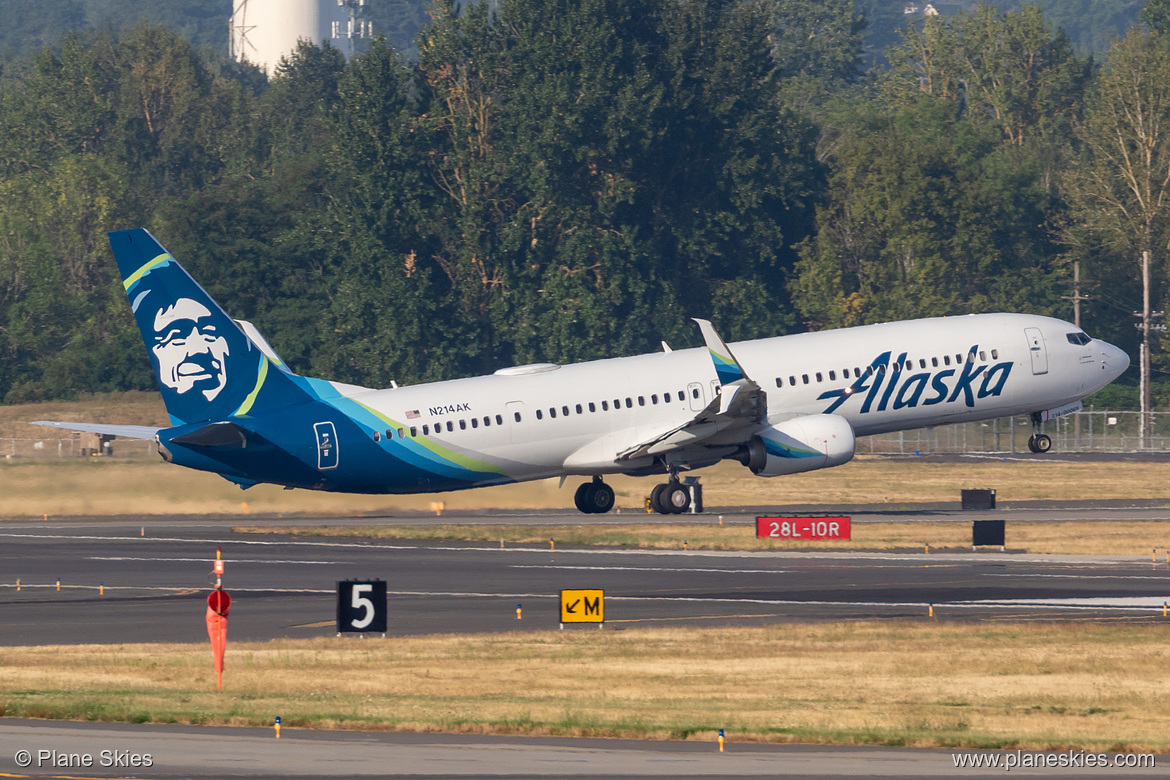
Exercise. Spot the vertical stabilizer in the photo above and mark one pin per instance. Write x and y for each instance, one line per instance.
(206, 367)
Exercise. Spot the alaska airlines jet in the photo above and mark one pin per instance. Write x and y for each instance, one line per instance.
(778, 406)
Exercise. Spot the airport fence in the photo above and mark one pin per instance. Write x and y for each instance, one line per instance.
(1085, 431)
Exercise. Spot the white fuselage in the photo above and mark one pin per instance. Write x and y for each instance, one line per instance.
(544, 421)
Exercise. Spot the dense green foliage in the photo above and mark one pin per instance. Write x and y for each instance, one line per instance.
(559, 180)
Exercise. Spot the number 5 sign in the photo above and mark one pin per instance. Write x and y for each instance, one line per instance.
(361, 607)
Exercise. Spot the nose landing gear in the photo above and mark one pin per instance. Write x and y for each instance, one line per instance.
(1038, 442)
(594, 498)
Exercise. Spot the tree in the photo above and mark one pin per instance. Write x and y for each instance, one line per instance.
(1121, 188)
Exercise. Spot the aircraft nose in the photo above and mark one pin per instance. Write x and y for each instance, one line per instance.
(1113, 360)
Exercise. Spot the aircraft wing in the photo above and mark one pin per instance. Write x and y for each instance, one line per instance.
(736, 411)
(124, 431)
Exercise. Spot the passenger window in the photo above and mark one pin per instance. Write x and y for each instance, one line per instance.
(539, 415)
(413, 431)
(654, 398)
(970, 357)
(552, 412)
(605, 406)
(666, 397)
(592, 408)
(426, 430)
(565, 411)
(402, 433)
(832, 376)
(617, 404)
(921, 363)
(487, 421)
(958, 360)
(579, 409)
(681, 396)
(389, 433)
(819, 378)
(882, 368)
(946, 360)
(695, 393)
(995, 354)
(934, 362)
(805, 378)
(779, 382)
(463, 425)
(500, 419)
(450, 426)
(641, 400)
(377, 436)
(982, 356)
(629, 403)
(517, 415)
(474, 422)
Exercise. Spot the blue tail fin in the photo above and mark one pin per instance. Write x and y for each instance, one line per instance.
(207, 368)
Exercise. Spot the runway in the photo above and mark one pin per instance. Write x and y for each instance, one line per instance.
(285, 586)
(225, 753)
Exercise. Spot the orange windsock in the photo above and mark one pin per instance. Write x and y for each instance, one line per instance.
(218, 604)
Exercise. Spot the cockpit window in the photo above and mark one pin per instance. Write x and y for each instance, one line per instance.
(1078, 338)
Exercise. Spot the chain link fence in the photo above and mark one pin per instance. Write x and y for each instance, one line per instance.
(1085, 431)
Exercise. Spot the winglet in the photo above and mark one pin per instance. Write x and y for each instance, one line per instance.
(727, 368)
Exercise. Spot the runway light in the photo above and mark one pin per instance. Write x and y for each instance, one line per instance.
(927, 548)
(720, 740)
(58, 585)
(931, 612)
(684, 544)
(552, 545)
(518, 617)
(102, 589)
(501, 542)
(18, 586)
(276, 726)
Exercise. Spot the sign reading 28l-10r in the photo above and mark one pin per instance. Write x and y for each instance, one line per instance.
(806, 528)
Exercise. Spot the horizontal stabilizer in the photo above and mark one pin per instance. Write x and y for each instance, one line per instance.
(218, 434)
(124, 431)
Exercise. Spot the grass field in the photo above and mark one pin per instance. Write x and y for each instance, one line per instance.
(104, 486)
(1079, 538)
(1093, 686)
(76, 486)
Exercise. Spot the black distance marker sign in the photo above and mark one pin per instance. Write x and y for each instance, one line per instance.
(361, 607)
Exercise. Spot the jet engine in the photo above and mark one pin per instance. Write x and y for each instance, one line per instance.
(808, 443)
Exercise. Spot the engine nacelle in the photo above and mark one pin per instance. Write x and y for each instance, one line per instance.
(816, 441)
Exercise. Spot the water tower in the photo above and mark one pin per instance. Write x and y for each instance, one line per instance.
(263, 31)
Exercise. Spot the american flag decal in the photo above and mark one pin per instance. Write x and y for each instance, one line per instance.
(412, 414)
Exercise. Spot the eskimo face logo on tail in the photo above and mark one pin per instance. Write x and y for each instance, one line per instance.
(191, 354)
(896, 386)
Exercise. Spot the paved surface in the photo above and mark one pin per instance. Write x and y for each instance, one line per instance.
(178, 751)
(285, 586)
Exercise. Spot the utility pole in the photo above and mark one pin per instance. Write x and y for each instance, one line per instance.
(1145, 325)
(1076, 298)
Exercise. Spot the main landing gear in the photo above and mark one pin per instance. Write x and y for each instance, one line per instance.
(594, 498)
(671, 498)
(1038, 442)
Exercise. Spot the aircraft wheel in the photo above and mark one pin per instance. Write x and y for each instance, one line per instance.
(582, 497)
(676, 498)
(1040, 443)
(656, 500)
(599, 499)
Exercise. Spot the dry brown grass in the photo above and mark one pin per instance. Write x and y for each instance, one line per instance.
(147, 486)
(103, 486)
(1079, 538)
(1096, 686)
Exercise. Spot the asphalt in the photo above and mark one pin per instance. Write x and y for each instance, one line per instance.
(156, 573)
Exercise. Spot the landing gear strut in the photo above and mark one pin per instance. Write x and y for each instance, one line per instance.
(594, 498)
(1038, 442)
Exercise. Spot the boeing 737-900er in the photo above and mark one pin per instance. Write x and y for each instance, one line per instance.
(777, 405)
